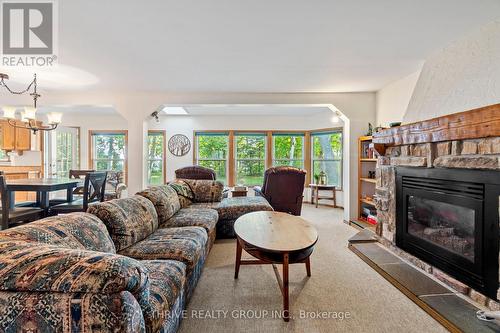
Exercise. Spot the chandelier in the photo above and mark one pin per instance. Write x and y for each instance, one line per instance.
(28, 115)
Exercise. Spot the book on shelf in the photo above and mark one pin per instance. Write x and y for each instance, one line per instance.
(366, 151)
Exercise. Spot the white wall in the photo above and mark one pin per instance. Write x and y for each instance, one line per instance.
(188, 124)
(464, 75)
(392, 100)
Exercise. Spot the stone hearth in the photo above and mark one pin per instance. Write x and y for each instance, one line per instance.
(472, 152)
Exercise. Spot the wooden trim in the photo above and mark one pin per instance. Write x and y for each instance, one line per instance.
(473, 124)
(269, 150)
(308, 157)
(90, 147)
(230, 160)
(163, 133)
(328, 129)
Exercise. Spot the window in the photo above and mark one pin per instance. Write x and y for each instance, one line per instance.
(156, 157)
(327, 156)
(212, 152)
(250, 158)
(64, 154)
(109, 150)
(288, 149)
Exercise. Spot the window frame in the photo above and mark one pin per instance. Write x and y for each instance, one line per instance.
(265, 159)
(290, 134)
(341, 159)
(196, 153)
(164, 153)
(93, 133)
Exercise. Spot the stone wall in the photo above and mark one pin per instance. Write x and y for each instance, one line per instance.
(481, 154)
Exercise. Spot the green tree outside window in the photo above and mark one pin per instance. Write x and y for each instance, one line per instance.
(288, 150)
(212, 152)
(327, 156)
(156, 167)
(250, 158)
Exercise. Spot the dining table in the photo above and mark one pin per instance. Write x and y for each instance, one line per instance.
(42, 187)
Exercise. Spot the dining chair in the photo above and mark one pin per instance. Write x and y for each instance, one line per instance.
(73, 174)
(93, 191)
(16, 215)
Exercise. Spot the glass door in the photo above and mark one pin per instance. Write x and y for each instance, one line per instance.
(61, 152)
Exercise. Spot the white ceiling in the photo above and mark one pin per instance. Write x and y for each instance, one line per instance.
(255, 110)
(257, 46)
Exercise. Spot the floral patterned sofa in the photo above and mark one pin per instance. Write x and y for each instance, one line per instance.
(203, 194)
(127, 265)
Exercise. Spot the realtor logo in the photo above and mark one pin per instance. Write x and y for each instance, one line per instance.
(28, 28)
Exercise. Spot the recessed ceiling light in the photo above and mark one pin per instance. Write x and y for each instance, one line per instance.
(174, 110)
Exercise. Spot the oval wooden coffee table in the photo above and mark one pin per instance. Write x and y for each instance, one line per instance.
(275, 238)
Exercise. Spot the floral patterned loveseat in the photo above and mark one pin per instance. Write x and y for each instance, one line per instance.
(127, 265)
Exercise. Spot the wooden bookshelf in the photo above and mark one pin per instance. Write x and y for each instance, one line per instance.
(366, 184)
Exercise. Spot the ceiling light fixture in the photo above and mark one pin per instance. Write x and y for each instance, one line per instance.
(28, 116)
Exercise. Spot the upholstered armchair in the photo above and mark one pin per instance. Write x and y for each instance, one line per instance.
(283, 188)
(195, 172)
(115, 186)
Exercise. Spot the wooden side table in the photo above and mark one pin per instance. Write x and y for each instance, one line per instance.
(315, 188)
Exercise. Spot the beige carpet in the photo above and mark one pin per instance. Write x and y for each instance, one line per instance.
(340, 283)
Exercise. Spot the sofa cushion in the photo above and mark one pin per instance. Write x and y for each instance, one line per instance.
(232, 208)
(205, 190)
(164, 199)
(73, 231)
(128, 220)
(184, 192)
(167, 280)
(201, 217)
(186, 244)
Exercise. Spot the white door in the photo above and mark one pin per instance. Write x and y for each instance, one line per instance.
(61, 151)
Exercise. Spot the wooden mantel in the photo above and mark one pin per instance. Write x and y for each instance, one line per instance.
(473, 124)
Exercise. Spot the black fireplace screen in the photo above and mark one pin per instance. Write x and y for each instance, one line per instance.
(450, 219)
(447, 225)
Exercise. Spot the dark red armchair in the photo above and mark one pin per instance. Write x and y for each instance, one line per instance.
(195, 172)
(283, 188)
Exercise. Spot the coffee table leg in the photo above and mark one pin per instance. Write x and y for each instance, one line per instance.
(308, 266)
(238, 259)
(286, 307)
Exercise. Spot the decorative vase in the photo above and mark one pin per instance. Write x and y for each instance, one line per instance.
(322, 178)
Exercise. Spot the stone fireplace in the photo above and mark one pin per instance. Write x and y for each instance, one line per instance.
(437, 192)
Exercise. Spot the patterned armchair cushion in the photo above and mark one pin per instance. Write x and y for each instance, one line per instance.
(186, 195)
(201, 217)
(128, 220)
(167, 281)
(34, 267)
(69, 312)
(205, 190)
(164, 199)
(232, 208)
(75, 231)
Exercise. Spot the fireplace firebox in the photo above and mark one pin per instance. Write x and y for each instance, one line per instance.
(450, 219)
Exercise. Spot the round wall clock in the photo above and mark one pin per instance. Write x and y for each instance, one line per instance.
(179, 145)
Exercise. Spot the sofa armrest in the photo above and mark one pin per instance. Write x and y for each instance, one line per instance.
(67, 312)
(45, 268)
(258, 191)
